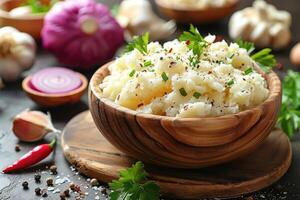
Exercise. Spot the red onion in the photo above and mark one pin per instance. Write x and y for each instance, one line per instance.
(55, 80)
(81, 33)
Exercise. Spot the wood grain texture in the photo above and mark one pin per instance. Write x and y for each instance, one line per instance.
(29, 24)
(54, 100)
(193, 15)
(94, 156)
(184, 142)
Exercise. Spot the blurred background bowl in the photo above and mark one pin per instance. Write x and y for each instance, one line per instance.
(191, 14)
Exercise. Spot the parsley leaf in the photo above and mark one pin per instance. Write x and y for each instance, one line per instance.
(230, 83)
(131, 74)
(197, 95)
(140, 43)
(249, 46)
(115, 9)
(263, 58)
(182, 92)
(38, 7)
(289, 117)
(148, 63)
(132, 185)
(248, 71)
(194, 40)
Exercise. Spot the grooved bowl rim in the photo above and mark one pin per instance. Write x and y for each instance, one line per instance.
(273, 81)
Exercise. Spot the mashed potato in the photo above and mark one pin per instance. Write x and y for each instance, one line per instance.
(171, 80)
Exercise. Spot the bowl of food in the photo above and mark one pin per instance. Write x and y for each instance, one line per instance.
(196, 11)
(185, 104)
(25, 15)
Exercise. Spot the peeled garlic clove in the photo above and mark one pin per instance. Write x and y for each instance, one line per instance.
(295, 55)
(30, 126)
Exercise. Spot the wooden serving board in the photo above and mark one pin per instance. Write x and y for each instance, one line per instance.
(94, 156)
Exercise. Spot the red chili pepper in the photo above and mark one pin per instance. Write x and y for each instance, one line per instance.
(32, 157)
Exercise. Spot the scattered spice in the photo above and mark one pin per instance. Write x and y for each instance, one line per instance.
(230, 83)
(72, 186)
(67, 192)
(37, 178)
(94, 182)
(34, 156)
(62, 196)
(148, 63)
(38, 191)
(44, 193)
(53, 169)
(17, 148)
(25, 185)
(103, 191)
(49, 181)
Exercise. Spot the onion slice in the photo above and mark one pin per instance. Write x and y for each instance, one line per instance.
(55, 80)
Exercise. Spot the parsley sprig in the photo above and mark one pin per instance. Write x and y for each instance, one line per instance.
(133, 185)
(140, 43)
(289, 117)
(194, 40)
(263, 58)
(38, 7)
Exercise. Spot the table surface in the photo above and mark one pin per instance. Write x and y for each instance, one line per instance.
(13, 101)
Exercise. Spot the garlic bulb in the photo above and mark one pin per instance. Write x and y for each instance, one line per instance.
(30, 126)
(262, 24)
(137, 17)
(17, 53)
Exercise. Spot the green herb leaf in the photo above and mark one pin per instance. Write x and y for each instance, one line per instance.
(289, 117)
(194, 40)
(197, 95)
(133, 185)
(148, 63)
(182, 92)
(140, 43)
(264, 59)
(248, 71)
(164, 76)
(249, 46)
(38, 7)
(230, 83)
(131, 74)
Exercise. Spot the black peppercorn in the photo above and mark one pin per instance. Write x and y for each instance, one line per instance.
(62, 196)
(37, 178)
(103, 191)
(53, 169)
(44, 193)
(67, 192)
(17, 148)
(25, 185)
(72, 186)
(49, 182)
(38, 191)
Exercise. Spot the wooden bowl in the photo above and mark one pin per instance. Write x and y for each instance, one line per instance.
(53, 100)
(184, 142)
(30, 24)
(194, 15)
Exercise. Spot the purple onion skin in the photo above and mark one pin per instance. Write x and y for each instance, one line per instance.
(63, 36)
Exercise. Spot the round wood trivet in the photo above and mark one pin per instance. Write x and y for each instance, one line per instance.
(94, 156)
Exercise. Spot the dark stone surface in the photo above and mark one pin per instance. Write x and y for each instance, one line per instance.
(13, 101)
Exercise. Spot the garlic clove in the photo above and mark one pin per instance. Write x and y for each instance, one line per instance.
(260, 35)
(20, 11)
(30, 126)
(281, 36)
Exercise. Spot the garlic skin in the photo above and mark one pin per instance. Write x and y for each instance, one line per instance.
(17, 53)
(31, 126)
(262, 24)
(137, 17)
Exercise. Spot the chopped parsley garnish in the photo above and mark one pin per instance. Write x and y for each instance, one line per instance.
(193, 61)
(133, 185)
(197, 95)
(263, 58)
(230, 83)
(182, 92)
(148, 63)
(131, 74)
(194, 40)
(140, 43)
(164, 76)
(248, 71)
